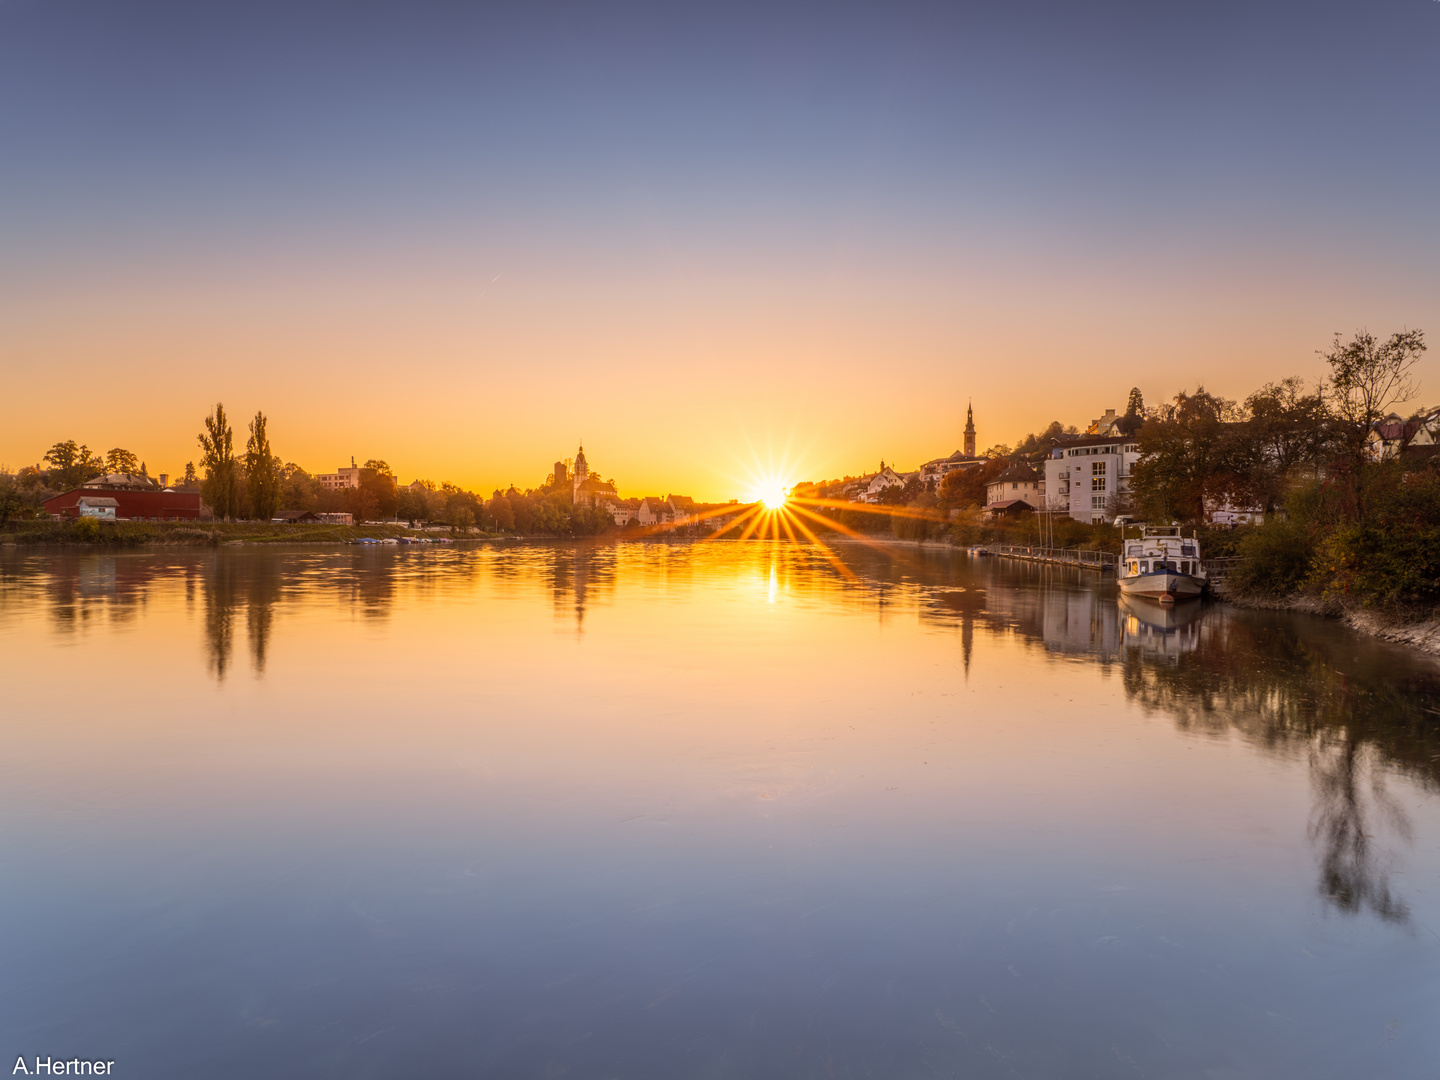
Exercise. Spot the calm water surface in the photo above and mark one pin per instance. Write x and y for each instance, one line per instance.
(707, 810)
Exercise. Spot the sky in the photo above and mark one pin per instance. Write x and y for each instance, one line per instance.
(714, 241)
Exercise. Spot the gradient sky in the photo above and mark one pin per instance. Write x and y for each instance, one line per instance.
(704, 237)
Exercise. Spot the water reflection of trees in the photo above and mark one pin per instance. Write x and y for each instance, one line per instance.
(1357, 709)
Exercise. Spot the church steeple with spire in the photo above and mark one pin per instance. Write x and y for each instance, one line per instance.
(969, 430)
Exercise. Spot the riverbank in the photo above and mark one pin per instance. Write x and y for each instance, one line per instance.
(197, 533)
(1419, 632)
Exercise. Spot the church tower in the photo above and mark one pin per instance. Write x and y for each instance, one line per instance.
(969, 430)
(582, 472)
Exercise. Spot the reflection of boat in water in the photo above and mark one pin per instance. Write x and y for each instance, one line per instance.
(1161, 564)
(1160, 629)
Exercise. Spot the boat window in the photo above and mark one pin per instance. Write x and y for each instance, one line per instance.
(1145, 566)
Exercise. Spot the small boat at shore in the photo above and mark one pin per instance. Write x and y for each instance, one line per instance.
(1160, 564)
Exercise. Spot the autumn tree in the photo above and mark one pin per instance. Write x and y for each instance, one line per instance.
(1187, 454)
(262, 471)
(217, 457)
(1367, 377)
(966, 487)
(501, 512)
(1288, 430)
(376, 497)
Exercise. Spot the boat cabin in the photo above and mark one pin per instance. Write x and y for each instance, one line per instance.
(1161, 548)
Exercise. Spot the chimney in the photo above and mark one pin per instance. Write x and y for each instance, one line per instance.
(164, 479)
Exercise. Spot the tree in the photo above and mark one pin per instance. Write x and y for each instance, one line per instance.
(12, 499)
(1187, 455)
(190, 476)
(298, 490)
(120, 460)
(966, 487)
(1288, 430)
(501, 512)
(217, 457)
(1032, 442)
(376, 497)
(1367, 377)
(1134, 417)
(72, 465)
(262, 471)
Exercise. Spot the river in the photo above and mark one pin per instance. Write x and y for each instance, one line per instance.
(702, 810)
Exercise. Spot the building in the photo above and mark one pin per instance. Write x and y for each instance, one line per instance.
(97, 506)
(1017, 488)
(1089, 477)
(654, 511)
(294, 517)
(1391, 436)
(340, 479)
(682, 509)
(623, 511)
(1106, 426)
(935, 470)
(872, 486)
(122, 482)
(335, 519)
(126, 504)
(586, 488)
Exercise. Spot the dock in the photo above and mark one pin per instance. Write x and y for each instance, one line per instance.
(1101, 561)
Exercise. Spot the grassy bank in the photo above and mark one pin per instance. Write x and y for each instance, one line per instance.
(192, 534)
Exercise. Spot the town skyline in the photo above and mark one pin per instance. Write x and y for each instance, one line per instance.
(748, 465)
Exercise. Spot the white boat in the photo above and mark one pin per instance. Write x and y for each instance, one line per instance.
(1160, 564)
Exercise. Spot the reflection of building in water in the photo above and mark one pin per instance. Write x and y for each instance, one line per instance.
(578, 576)
(1160, 631)
(1081, 622)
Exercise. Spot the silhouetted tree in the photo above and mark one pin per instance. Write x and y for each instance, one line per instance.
(262, 471)
(217, 457)
(71, 465)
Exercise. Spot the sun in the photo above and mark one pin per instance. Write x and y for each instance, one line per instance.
(773, 494)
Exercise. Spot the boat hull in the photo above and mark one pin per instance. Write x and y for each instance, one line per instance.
(1164, 583)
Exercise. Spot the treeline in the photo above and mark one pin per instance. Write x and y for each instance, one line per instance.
(254, 483)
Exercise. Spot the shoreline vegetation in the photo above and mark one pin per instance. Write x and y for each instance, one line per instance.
(1341, 512)
(1405, 624)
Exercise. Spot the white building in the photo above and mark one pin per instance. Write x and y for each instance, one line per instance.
(1087, 478)
(341, 478)
(880, 481)
(97, 506)
(1018, 487)
(654, 511)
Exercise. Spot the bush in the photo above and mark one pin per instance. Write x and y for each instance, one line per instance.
(1276, 558)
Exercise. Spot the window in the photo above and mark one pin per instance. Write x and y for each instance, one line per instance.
(1097, 502)
(1098, 484)
(1097, 469)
